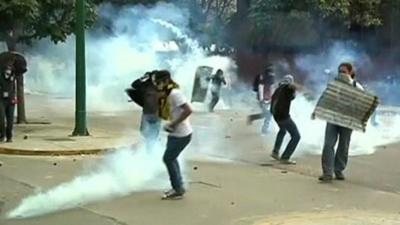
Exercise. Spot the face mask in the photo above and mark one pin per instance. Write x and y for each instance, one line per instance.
(8, 73)
(161, 85)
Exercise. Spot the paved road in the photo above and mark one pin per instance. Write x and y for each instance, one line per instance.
(228, 184)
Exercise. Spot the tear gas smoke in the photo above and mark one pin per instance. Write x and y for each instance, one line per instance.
(143, 40)
(322, 68)
(119, 174)
(113, 63)
(313, 131)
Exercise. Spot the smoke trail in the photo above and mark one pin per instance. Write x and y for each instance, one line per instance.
(142, 39)
(119, 174)
(113, 62)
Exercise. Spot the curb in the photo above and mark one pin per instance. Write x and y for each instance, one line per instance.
(27, 152)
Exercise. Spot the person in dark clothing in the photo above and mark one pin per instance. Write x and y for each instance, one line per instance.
(216, 81)
(8, 96)
(280, 109)
(144, 93)
(262, 85)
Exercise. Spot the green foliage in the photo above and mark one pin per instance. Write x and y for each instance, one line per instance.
(282, 23)
(364, 13)
(36, 19)
(126, 2)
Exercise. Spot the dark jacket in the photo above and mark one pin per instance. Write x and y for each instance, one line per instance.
(145, 94)
(7, 81)
(217, 81)
(281, 100)
(18, 65)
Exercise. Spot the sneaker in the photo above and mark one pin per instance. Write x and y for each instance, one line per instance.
(325, 178)
(275, 156)
(169, 191)
(9, 140)
(173, 195)
(288, 162)
(339, 176)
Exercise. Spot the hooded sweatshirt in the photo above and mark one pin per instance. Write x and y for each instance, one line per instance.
(282, 99)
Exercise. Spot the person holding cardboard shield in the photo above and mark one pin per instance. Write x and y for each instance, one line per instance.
(335, 163)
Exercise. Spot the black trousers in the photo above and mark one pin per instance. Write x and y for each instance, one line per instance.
(6, 117)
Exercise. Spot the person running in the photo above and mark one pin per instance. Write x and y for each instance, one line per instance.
(216, 81)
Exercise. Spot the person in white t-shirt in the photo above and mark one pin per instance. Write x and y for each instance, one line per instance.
(180, 131)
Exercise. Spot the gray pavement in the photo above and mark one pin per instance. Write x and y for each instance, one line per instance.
(50, 126)
(234, 182)
(244, 195)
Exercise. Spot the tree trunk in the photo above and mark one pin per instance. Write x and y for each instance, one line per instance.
(11, 41)
(21, 115)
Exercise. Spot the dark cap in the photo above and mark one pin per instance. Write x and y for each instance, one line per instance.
(162, 75)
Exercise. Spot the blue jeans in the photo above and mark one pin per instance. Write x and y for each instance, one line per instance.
(265, 114)
(332, 162)
(175, 145)
(150, 128)
(214, 101)
(287, 125)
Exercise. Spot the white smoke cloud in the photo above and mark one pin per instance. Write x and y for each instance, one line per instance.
(114, 61)
(313, 131)
(317, 65)
(119, 174)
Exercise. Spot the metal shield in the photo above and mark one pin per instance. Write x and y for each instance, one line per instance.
(201, 83)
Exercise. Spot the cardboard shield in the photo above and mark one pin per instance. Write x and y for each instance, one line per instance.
(201, 83)
(346, 106)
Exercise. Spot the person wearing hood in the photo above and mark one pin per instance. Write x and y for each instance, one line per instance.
(335, 163)
(280, 109)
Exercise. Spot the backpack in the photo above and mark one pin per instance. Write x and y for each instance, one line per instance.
(137, 90)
